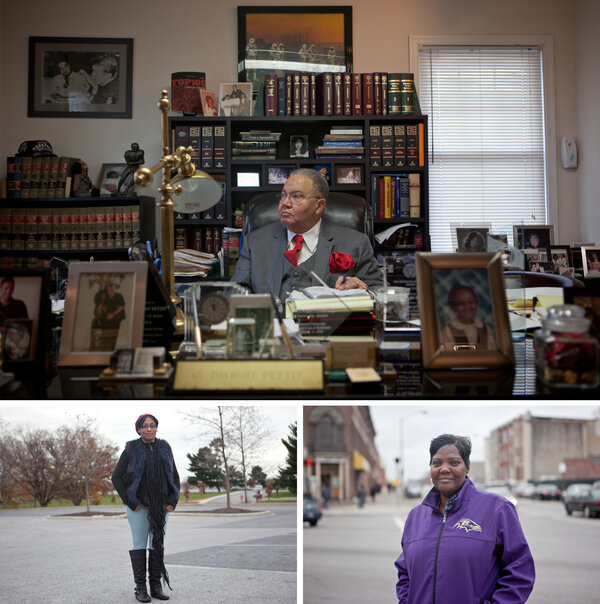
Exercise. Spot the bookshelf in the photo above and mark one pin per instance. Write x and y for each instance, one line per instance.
(34, 230)
(395, 156)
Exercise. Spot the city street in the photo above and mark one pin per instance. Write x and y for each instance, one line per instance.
(349, 556)
(213, 558)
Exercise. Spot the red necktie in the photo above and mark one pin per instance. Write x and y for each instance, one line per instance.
(292, 255)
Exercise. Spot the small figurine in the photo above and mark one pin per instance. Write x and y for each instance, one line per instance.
(134, 158)
(82, 185)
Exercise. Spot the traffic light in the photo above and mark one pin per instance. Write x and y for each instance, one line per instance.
(308, 462)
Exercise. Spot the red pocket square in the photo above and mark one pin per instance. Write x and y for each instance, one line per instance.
(338, 262)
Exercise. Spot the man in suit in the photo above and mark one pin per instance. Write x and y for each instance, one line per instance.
(275, 260)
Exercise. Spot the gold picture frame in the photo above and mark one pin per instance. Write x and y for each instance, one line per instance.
(104, 311)
(439, 278)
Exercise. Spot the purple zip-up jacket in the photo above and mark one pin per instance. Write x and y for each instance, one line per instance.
(476, 555)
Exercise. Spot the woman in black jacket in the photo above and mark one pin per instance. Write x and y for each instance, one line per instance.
(148, 483)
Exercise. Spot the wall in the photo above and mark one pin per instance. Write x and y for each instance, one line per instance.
(207, 34)
(587, 45)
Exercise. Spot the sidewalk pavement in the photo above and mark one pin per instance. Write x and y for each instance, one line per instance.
(385, 504)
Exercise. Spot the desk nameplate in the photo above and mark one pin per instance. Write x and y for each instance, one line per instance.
(243, 375)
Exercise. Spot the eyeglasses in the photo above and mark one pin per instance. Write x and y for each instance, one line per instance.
(149, 427)
(296, 197)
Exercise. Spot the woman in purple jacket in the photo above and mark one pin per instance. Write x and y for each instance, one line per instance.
(462, 545)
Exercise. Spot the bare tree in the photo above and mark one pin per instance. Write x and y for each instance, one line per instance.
(250, 432)
(34, 464)
(89, 461)
(217, 424)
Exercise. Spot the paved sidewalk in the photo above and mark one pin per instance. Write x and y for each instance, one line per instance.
(385, 504)
(221, 560)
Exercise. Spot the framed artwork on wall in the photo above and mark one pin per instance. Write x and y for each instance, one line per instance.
(80, 77)
(281, 39)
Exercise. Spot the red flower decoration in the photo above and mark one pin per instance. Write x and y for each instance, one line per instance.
(338, 262)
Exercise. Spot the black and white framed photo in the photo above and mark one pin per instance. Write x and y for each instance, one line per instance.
(80, 77)
(299, 146)
(235, 99)
(464, 316)
(533, 237)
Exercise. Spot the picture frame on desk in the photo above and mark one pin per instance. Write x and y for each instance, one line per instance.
(561, 257)
(104, 311)
(277, 39)
(590, 257)
(534, 236)
(210, 106)
(472, 239)
(24, 307)
(464, 315)
(80, 77)
(235, 98)
(110, 174)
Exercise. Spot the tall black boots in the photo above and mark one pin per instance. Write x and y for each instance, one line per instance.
(155, 571)
(138, 563)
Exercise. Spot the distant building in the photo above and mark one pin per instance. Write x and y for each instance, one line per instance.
(339, 451)
(534, 449)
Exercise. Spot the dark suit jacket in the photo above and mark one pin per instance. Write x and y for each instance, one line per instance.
(261, 263)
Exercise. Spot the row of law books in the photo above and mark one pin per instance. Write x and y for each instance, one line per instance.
(397, 145)
(340, 93)
(101, 227)
(396, 195)
(8, 262)
(38, 177)
(207, 143)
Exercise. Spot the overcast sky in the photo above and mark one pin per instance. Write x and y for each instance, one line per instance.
(424, 422)
(115, 421)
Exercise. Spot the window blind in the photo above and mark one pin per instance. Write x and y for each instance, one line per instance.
(487, 143)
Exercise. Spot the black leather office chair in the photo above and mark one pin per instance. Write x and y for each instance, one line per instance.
(342, 209)
(531, 279)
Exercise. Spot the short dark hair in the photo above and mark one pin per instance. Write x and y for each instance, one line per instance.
(319, 182)
(452, 293)
(462, 443)
(8, 279)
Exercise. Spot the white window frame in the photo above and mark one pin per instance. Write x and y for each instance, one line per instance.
(546, 44)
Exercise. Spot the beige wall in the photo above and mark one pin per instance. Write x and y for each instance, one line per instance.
(164, 34)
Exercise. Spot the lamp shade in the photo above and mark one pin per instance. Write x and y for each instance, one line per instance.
(198, 193)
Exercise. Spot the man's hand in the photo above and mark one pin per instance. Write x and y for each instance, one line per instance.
(344, 282)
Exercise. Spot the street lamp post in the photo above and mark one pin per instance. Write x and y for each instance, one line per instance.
(402, 461)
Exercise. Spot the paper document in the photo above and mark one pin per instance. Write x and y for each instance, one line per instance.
(320, 291)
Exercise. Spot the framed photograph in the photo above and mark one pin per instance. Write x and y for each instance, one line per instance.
(254, 306)
(104, 311)
(464, 316)
(17, 344)
(299, 145)
(277, 175)
(110, 174)
(541, 266)
(348, 175)
(282, 39)
(210, 106)
(561, 257)
(235, 99)
(24, 316)
(533, 237)
(590, 257)
(471, 238)
(80, 77)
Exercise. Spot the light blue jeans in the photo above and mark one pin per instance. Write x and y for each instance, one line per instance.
(140, 527)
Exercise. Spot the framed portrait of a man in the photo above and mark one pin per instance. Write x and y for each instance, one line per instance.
(104, 311)
(464, 316)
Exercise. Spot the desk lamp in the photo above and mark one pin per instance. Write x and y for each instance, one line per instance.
(196, 191)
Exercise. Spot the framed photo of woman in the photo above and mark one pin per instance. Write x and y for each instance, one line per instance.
(464, 315)
(104, 311)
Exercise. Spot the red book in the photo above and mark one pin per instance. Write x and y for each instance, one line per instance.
(289, 93)
(377, 93)
(356, 94)
(325, 93)
(347, 84)
(304, 94)
(312, 85)
(197, 239)
(338, 94)
(296, 93)
(384, 93)
(270, 94)
(185, 91)
(216, 240)
(368, 107)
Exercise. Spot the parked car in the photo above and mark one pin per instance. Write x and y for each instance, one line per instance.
(413, 489)
(546, 491)
(313, 510)
(502, 490)
(575, 496)
(524, 489)
(592, 505)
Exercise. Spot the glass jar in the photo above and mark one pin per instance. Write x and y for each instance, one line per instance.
(566, 354)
